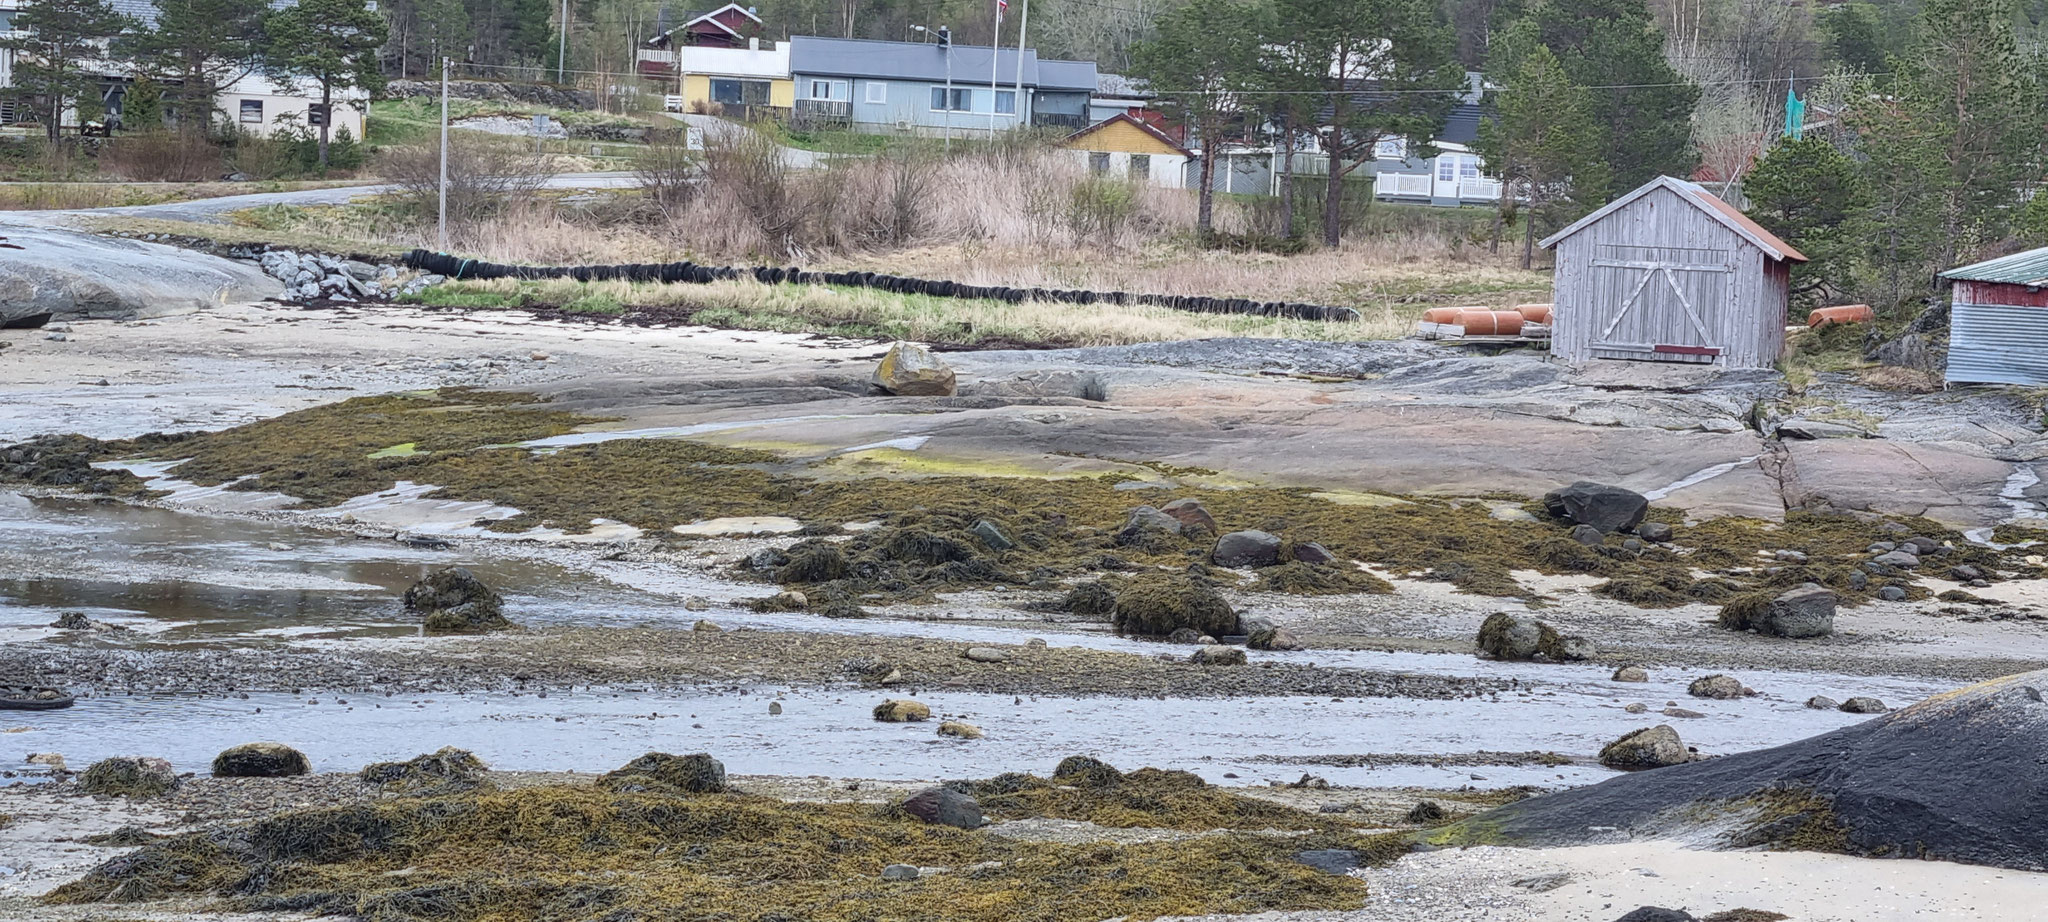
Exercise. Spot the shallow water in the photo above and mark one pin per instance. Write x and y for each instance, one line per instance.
(185, 578)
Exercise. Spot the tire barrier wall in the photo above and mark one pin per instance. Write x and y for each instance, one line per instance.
(456, 267)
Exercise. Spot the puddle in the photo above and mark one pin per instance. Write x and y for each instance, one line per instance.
(742, 525)
(831, 733)
(2014, 496)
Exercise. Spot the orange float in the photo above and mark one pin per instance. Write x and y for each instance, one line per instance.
(1534, 313)
(1847, 313)
(1491, 323)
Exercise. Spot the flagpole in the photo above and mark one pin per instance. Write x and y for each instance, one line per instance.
(995, 60)
(1023, 25)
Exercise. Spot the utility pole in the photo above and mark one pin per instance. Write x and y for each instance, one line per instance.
(562, 45)
(946, 46)
(995, 60)
(441, 222)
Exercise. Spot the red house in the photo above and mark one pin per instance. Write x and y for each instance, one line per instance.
(729, 26)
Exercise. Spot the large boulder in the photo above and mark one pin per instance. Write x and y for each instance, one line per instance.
(1191, 515)
(1263, 634)
(1508, 636)
(944, 806)
(902, 710)
(1218, 655)
(1718, 687)
(1157, 604)
(1246, 549)
(260, 760)
(1956, 777)
(1608, 508)
(1808, 611)
(911, 370)
(1149, 529)
(129, 776)
(454, 601)
(663, 773)
(51, 272)
(1655, 747)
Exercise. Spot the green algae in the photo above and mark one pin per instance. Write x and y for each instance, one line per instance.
(574, 853)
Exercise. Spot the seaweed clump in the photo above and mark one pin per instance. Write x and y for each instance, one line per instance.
(444, 771)
(1300, 578)
(559, 853)
(1157, 604)
(1669, 589)
(1092, 598)
(662, 773)
(1088, 790)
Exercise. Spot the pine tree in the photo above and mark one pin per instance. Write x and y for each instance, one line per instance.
(52, 43)
(1384, 70)
(1545, 143)
(1201, 60)
(142, 107)
(1644, 108)
(197, 48)
(332, 44)
(1812, 195)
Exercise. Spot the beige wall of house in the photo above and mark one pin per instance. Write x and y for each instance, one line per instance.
(258, 106)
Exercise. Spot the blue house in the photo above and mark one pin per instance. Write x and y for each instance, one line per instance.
(931, 89)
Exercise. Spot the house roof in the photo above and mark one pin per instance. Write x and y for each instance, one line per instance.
(691, 19)
(1728, 215)
(928, 61)
(1121, 86)
(1126, 117)
(2029, 268)
(1462, 126)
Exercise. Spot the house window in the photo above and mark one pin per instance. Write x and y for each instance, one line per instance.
(828, 89)
(316, 115)
(1391, 149)
(878, 93)
(1468, 168)
(944, 100)
(1098, 162)
(739, 92)
(1006, 102)
(252, 111)
(1141, 166)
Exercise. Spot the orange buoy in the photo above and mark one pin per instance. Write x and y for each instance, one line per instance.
(1847, 313)
(1491, 323)
(1444, 314)
(1534, 313)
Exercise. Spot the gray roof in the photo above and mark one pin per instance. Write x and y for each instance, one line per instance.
(927, 61)
(1462, 125)
(2029, 268)
(1120, 85)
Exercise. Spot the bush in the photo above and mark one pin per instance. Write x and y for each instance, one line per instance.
(163, 156)
(669, 173)
(1101, 206)
(483, 178)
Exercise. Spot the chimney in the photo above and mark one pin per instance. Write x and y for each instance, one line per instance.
(754, 44)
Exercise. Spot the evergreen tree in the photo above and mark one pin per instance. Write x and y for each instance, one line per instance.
(197, 48)
(53, 42)
(1950, 148)
(1545, 143)
(142, 107)
(1200, 62)
(332, 44)
(1644, 108)
(1812, 195)
(1383, 69)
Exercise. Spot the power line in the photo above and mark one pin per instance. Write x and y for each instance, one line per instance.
(1372, 91)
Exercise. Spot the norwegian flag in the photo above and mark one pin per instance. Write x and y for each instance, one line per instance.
(1002, 9)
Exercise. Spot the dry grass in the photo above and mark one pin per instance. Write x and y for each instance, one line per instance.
(861, 312)
(68, 196)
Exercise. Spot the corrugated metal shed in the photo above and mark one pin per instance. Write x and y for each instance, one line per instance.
(1670, 273)
(1998, 321)
(2029, 268)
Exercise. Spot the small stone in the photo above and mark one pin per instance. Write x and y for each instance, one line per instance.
(1218, 656)
(1654, 531)
(1655, 747)
(774, 708)
(1965, 573)
(538, 356)
(260, 760)
(1720, 687)
(1822, 703)
(1035, 643)
(697, 603)
(1186, 635)
(1588, 535)
(943, 806)
(1633, 545)
(986, 655)
(1863, 705)
(1657, 914)
(1682, 712)
(1899, 559)
(1246, 549)
(1191, 514)
(902, 710)
(1892, 594)
(53, 761)
(1631, 674)
(900, 872)
(960, 730)
(1881, 547)
(1921, 546)
(1313, 553)
(991, 536)
(1637, 708)
(1790, 556)
(707, 627)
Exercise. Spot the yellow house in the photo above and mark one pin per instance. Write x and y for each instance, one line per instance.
(1124, 146)
(701, 75)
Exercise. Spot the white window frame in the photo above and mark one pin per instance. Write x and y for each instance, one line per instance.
(834, 89)
(877, 93)
(1447, 168)
(1468, 168)
(1391, 149)
(242, 112)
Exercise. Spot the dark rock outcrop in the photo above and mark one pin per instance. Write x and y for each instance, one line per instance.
(260, 760)
(454, 601)
(1608, 508)
(944, 806)
(660, 772)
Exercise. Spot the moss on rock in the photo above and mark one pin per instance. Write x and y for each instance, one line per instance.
(1157, 604)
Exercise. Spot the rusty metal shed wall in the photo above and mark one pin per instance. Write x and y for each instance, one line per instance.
(1998, 334)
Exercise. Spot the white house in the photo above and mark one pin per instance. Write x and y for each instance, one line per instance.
(258, 105)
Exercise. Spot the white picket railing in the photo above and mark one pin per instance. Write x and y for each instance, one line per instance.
(1407, 184)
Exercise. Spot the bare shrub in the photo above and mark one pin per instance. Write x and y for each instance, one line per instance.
(669, 173)
(484, 178)
(747, 180)
(162, 156)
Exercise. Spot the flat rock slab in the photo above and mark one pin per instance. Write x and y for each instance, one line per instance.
(77, 276)
(1943, 483)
